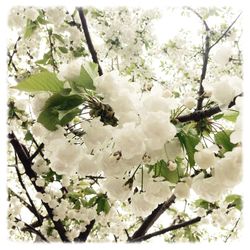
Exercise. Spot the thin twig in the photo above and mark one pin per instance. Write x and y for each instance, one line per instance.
(88, 40)
(32, 205)
(205, 60)
(226, 31)
(33, 230)
(13, 53)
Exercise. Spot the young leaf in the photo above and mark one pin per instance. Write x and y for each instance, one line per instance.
(189, 141)
(235, 200)
(69, 116)
(63, 49)
(88, 72)
(31, 26)
(232, 116)
(43, 81)
(59, 110)
(59, 38)
(161, 170)
(63, 102)
(102, 204)
(222, 138)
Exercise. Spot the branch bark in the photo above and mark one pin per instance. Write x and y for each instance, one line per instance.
(88, 40)
(226, 31)
(84, 235)
(201, 114)
(151, 219)
(24, 157)
(205, 60)
(13, 52)
(168, 229)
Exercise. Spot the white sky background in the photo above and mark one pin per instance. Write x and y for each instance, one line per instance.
(167, 28)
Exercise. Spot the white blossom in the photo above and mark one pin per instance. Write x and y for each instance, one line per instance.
(182, 190)
(205, 158)
(70, 71)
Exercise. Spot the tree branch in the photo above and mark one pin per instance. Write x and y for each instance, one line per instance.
(33, 230)
(24, 157)
(201, 114)
(88, 40)
(205, 60)
(150, 220)
(226, 31)
(38, 151)
(32, 206)
(27, 205)
(168, 229)
(13, 53)
(84, 235)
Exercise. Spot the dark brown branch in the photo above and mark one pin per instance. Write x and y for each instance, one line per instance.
(226, 31)
(38, 151)
(33, 230)
(88, 40)
(84, 235)
(205, 60)
(150, 220)
(26, 204)
(24, 157)
(32, 206)
(168, 229)
(201, 114)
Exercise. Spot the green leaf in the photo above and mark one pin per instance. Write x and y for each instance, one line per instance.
(232, 116)
(189, 141)
(85, 81)
(202, 203)
(49, 119)
(222, 138)
(78, 52)
(235, 200)
(46, 59)
(88, 191)
(59, 38)
(28, 136)
(31, 26)
(69, 116)
(59, 110)
(217, 117)
(102, 204)
(161, 170)
(41, 20)
(63, 102)
(63, 49)
(92, 69)
(43, 81)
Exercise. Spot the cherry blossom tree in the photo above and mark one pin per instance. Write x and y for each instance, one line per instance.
(114, 136)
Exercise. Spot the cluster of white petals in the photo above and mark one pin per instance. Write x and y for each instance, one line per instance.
(225, 89)
(227, 174)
